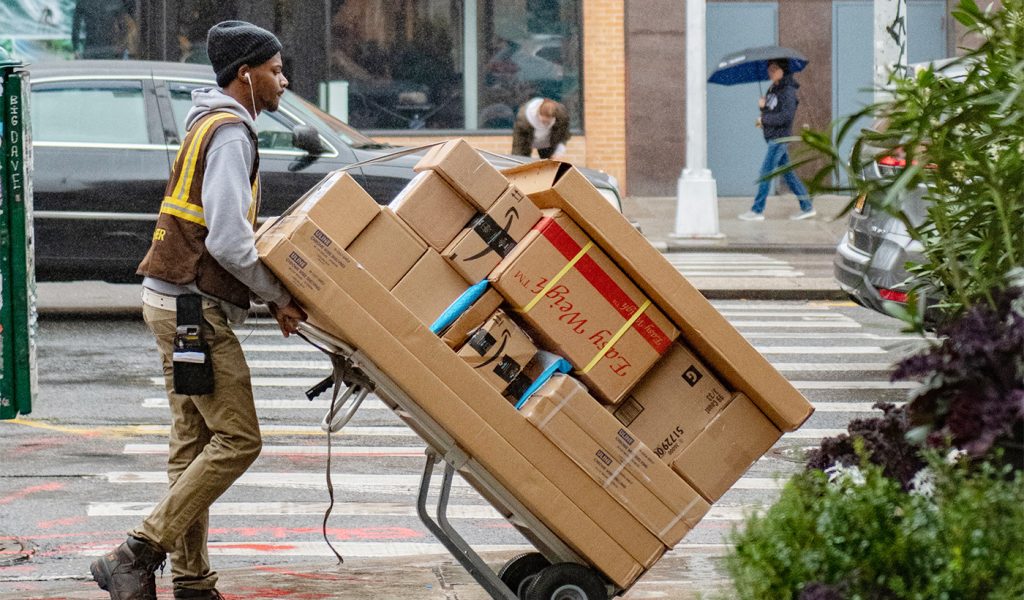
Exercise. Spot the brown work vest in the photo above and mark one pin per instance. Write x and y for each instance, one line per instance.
(178, 251)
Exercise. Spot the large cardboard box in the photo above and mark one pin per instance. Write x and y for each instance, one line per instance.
(723, 452)
(552, 184)
(387, 248)
(491, 236)
(339, 206)
(479, 420)
(673, 402)
(466, 171)
(583, 306)
(649, 489)
(433, 209)
(429, 287)
(456, 334)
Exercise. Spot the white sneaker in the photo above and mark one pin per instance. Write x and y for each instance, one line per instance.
(751, 216)
(804, 214)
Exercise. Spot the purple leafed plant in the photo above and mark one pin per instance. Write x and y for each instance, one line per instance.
(972, 393)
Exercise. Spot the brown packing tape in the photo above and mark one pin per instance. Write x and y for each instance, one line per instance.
(382, 344)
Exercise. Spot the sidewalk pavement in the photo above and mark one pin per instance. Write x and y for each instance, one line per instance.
(656, 218)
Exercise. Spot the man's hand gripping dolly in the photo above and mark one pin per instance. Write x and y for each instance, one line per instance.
(288, 316)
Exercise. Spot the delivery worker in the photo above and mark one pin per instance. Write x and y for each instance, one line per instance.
(204, 244)
(543, 124)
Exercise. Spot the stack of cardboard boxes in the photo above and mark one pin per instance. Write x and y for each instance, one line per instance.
(666, 406)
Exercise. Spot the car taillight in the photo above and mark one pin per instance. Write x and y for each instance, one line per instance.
(894, 163)
(893, 295)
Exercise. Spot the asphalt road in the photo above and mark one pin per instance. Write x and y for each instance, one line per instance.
(88, 463)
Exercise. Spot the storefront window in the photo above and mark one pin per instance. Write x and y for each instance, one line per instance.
(528, 48)
(402, 61)
(402, 65)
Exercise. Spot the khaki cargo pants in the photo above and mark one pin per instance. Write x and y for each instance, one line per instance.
(214, 438)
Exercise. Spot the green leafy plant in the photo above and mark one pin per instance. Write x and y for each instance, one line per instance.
(962, 140)
(854, 533)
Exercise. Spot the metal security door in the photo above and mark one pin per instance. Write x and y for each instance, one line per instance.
(853, 50)
(735, 146)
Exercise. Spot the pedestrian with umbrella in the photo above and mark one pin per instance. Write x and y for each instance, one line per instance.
(778, 109)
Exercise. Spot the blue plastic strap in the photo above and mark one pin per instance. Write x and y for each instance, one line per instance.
(558, 365)
(461, 304)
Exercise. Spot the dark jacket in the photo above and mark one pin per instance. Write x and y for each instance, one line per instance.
(780, 108)
(522, 133)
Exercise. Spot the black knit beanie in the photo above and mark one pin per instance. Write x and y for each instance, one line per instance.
(232, 44)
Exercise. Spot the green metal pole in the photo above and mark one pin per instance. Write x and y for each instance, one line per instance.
(23, 289)
(8, 403)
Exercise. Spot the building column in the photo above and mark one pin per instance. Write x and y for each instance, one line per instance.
(604, 86)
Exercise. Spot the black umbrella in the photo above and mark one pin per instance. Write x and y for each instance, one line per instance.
(747, 66)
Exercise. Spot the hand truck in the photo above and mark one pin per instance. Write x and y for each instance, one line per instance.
(555, 572)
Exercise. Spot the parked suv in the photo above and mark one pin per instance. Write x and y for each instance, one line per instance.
(105, 134)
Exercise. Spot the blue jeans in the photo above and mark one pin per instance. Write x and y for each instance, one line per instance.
(777, 156)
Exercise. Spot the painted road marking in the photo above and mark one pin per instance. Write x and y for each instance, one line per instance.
(351, 509)
(336, 451)
(347, 549)
(829, 367)
(799, 324)
(319, 404)
(291, 382)
(295, 430)
(359, 482)
(820, 350)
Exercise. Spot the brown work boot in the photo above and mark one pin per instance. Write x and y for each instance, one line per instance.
(127, 571)
(182, 593)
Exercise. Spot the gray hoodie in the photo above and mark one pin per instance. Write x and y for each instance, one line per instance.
(227, 196)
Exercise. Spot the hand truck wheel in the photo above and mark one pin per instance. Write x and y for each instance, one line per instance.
(520, 572)
(567, 581)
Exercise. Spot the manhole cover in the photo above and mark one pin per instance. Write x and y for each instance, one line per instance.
(13, 551)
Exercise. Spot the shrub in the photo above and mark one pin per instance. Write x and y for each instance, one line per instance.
(972, 394)
(882, 439)
(860, 536)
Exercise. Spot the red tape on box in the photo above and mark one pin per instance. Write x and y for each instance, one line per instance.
(603, 283)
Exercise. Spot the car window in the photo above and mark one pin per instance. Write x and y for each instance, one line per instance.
(275, 129)
(111, 112)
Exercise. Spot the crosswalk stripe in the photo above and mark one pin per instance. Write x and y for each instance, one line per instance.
(347, 549)
(360, 482)
(282, 403)
(827, 367)
(275, 450)
(746, 274)
(299, 382)
(820, 350)
(798, 324)
(348, 509)
(294, 430)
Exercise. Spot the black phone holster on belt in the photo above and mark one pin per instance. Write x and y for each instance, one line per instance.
(193, 365)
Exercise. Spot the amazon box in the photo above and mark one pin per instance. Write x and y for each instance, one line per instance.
(499, 350)
(340, 207)
(583, 307)
(433, 209)
(469, 412)
(387, 248)
(725, 449)
(491, 236)
(673, 402)
(552, 184)
(652, 492)
(466, 171)
(429, 287)
(456, 334)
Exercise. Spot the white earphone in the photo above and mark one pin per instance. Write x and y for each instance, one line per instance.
(249, 81)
